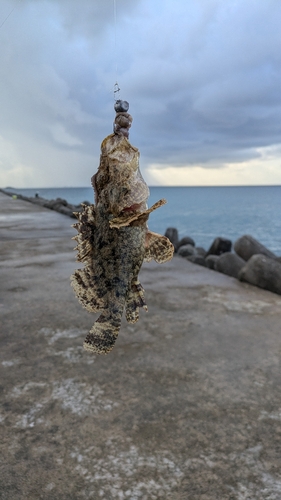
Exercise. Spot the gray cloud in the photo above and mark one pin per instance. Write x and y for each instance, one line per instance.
(202, 78)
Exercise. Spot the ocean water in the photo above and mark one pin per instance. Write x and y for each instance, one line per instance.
(203, 212)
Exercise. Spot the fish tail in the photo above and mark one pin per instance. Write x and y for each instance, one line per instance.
(102, 336)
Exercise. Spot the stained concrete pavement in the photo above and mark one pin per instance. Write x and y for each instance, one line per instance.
(186, 406)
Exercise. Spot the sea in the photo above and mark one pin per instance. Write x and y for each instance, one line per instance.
(201, 212)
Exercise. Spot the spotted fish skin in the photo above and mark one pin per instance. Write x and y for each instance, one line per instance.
(113, 240)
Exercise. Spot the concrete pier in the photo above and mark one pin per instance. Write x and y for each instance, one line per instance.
(186, 407)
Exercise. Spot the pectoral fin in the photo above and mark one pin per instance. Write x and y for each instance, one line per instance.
(88, 290)
(158, 247)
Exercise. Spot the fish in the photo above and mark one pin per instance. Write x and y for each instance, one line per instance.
(113, 239)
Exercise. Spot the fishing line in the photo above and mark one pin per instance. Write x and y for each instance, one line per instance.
(7, 17)
(116, 88)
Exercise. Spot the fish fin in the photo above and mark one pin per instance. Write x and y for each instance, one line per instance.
(101, 338)
(85, 227)
(158, 247)
(86, 289)
(135, 299)
(86, 282)
(103, 334)
(126, 219)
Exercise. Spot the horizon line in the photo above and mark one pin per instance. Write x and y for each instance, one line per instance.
(150, 186)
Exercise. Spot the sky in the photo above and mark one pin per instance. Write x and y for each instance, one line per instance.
(203, 79)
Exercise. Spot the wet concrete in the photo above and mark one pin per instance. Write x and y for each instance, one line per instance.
(186, 406)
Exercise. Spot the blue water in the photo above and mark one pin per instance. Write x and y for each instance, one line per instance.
(203, 212)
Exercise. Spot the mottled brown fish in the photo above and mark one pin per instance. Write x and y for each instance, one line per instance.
(113, 239)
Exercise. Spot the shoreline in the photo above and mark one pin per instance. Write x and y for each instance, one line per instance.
(250, 261)
(59, 204)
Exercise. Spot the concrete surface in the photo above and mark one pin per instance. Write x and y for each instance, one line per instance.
(186, 406)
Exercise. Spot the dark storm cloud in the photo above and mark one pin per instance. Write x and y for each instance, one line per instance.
(202, 78)
(220, 92)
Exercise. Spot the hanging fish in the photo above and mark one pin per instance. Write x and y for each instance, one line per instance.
(113, 239)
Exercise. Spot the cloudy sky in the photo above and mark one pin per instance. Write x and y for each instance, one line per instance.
(203, 78)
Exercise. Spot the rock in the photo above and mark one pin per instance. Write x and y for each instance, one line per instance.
(201, 251)
(262, 271)
(36, 200)
(230, 264)
(197, 259)
(54, 204)
(219, 246)
(65, 211)
(185, 241)
(211, 261)
(59, 205)
(173, 235)
(247, 246)
(186, 250)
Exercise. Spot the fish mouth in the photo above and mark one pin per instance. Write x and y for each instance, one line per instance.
(136, 207)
